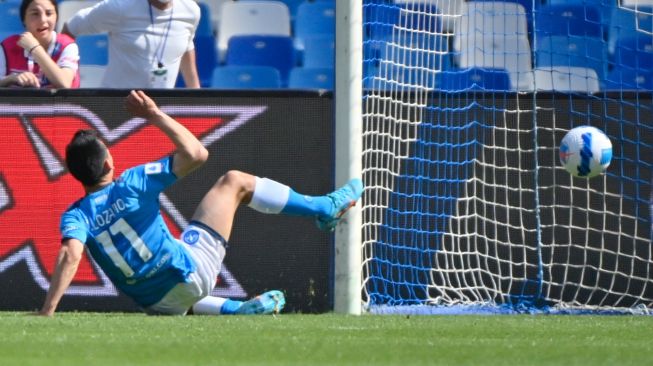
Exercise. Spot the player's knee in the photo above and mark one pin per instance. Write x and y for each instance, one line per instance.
(237, 180)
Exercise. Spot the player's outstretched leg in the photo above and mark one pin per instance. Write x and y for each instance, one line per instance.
(271, 302)
(275, 198)
(343, 199)
(219, 205)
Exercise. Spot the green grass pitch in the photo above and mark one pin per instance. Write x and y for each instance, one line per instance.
(327, 339)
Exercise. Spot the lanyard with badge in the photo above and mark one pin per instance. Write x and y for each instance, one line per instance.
(159, 73)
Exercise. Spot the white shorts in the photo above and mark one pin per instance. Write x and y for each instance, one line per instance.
(207, 248)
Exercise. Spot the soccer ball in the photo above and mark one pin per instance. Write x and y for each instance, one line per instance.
(585, 151)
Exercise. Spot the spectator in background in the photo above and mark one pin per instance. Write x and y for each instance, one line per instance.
(39, 58)
(149, 41)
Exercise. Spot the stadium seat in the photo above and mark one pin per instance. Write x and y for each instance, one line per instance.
(292, 7)
(205, 26)
(447, 12)
(530, 7)
(206, 57)
(572, 51)
(500, 52)
(90, 76)
(567, 79)
(319, 51)
(604, 6)
(633, 3)
(215, 9)
(570, 19)
(626, 22)
(634, 51)
(69, 8)
(93, 49)
(474, 79)
(274, 51)
(431, 53)
(314, 19)
(10, 15)
(311, 78)
(245, 77)
(497, 18)
(250, 18)
(629, 79)
(4, 34)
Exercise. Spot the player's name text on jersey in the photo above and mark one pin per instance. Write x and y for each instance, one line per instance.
(107, 216)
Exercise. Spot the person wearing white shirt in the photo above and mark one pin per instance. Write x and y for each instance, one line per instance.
(150, 41)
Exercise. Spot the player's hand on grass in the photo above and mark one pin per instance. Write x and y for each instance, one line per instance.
(43, 313)
(140, 105)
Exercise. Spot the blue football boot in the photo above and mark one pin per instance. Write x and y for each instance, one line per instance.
(271, 302)
(343, 199)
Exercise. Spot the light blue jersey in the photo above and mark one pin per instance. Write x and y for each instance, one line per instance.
(125, 233)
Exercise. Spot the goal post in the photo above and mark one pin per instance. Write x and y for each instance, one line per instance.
(466, 206)
(348, 146)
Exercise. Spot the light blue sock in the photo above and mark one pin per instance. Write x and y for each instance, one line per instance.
(272, 197)
(302, 205)
(230, 307)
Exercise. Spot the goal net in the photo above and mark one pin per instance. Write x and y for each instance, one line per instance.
(466, 206)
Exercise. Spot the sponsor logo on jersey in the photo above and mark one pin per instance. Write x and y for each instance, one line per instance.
(100, 199)
(153, 168)
(68, 228)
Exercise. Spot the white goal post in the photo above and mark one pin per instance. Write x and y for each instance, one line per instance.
(348, 104)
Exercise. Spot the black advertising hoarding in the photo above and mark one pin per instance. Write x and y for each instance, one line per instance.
(284, 136)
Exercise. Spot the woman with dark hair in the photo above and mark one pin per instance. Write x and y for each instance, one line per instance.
(39, 57)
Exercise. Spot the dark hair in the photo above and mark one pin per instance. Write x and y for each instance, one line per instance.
(25, 3)
(85, 156)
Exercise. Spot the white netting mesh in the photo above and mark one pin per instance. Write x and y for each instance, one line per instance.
(466, 201)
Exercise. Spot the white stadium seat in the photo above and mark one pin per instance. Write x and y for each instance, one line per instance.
(251, 18)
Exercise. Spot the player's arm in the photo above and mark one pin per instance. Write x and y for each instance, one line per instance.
(188, 69)
(67, 262)
(190, 153)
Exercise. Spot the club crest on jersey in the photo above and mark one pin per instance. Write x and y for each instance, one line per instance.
(191, 237)
(153, 168)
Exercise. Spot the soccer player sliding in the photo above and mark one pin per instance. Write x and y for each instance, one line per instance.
(120, 222)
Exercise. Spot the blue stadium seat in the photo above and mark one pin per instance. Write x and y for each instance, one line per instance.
(629, 79)
(245, 77)
(206, 57)
(11, 22)
(474, 78)
(274, 51)
(634, 51)
(311, 78)
(93, 49)
(605, 7)
(625, 22)
(578, 51)
(205, 26)
(319, 51)
(571, 19)
(4, 35)
(314, 18)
